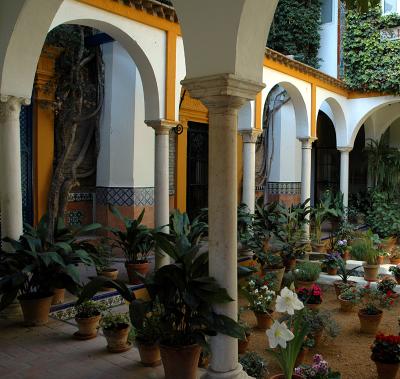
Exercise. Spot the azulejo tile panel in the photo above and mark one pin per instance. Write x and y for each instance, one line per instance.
(284, 188)
(75, 197)
(125, 196)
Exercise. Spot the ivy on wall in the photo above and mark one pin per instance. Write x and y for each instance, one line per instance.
(371, 63)
(295, 30)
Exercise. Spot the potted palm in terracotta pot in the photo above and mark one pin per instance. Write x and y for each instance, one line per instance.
(116, 327)
(87, 317)
(386, 355)
(136, 241)
(261, 300)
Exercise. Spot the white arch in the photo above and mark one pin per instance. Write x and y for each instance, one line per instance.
(26, 42)
(381, 120)
(336, 105)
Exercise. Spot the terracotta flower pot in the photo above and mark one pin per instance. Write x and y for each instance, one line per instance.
(301, 284)
(132, 268)
(264, 320)
(87, 327)
(371, 272)
(346, 305)
(117, 339)
(346, 255)
(278, 272)
(302, 355)
(282, 376)
(338, 283)
(58, 296)
(318, 247)
(242, 344)
(188, 358)
(369, 324)
(109, 273)
(395, 261)
(379, 260)
(149, 354)
(36, 308)
(386, 370)
(332, 270)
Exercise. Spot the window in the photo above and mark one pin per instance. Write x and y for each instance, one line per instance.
(389, 6)
(326, 11)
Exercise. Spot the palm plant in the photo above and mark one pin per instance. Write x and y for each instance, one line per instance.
(180, 225)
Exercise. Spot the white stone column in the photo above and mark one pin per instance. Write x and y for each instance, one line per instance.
(306, 148)
(10, 167)
(161, 179)
(344, 174)
(223, 95)
(249, 166)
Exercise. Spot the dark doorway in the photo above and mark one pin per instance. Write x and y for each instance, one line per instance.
(358, 167)
(197, 168)
(327, 158)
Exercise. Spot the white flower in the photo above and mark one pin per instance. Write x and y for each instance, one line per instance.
(288, 302)
(279, 334)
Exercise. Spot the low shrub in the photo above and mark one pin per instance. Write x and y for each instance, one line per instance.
(307, 272)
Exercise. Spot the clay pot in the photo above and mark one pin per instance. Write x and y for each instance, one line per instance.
(117, 339)
(58, 296)
(345, 305)
(188, 358)
(301, 284)
(302, 355)
(149, 355)
(395, 261)
(369, 323)
(264, 320)
(88, 326)
(109, 273)
(278, 272)
(36, 308)
(282, 376)
(386, 370)
(379, 260)
(332, 270)
(371, 272)
(132, 268)
(338, 283)
(318, 247)
(290, 264)
(242, 344)
(346, 255)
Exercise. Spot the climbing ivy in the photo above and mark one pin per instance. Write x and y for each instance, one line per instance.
(295, 30)
(371, 64)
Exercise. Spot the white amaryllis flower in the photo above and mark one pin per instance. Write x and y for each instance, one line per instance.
(279, 334)
(288, 302)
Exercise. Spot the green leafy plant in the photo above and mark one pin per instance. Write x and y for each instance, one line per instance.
(254, 365)
(343, 272)
(307, 272)
(260, 297)
(135, 240)
(245, 221)
(180, 225)
(332, 260)
(148, 329)
(395, 270)
(321, 321)
(114, 321)
(350, 294)
(372, 301)
(386, 285)
(89, 308)
(364, 250)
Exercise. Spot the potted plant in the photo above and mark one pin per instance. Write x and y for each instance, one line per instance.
(37, 267)
(116, 327)
(371, 303)
(176, 288)
(386, 355)
(306, 274)
(318, 370)
(245, 232)
(348, 299)
(104, 264)
(261, 300)
(364, 250)
(331, 263)
(395, 270)
(286, 338)
(254, 365)
(136, 241)
(342, 247)
(273, 265)
(395, 256)
(387, 286)
(87, 316)
(311, 297)
(148, 337)
(344, 275)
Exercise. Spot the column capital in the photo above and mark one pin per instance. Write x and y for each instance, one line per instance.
(306, 142)
(223, 90)
(345, 149)
(161, 126)
(10, 106)
(250, 135)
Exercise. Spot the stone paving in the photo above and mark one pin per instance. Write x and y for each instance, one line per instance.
(51, 352)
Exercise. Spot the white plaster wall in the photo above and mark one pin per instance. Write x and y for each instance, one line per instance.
(180, 73)
(246, 116)
(115, 161)
(143, 160)
(329, 42)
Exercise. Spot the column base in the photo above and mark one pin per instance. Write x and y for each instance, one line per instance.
(237, 373)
